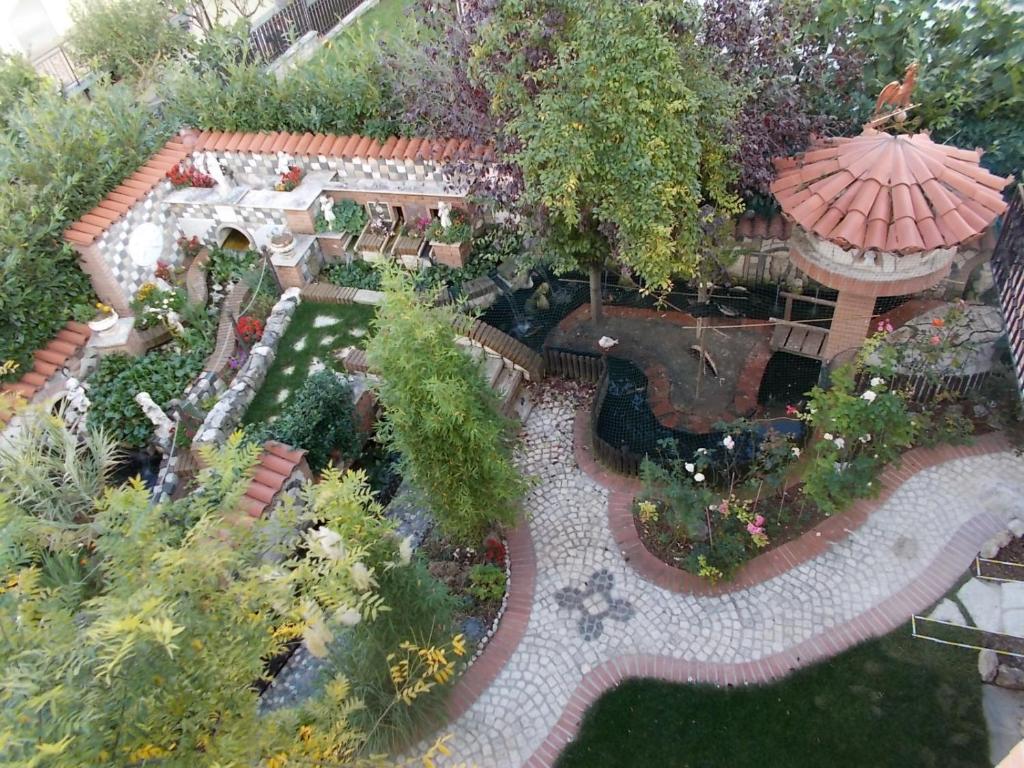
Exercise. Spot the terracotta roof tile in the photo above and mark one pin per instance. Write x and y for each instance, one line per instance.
(754, 225)
(900, 193)
(133, 189)
(304, 141)
(275, 466)
(67, 343)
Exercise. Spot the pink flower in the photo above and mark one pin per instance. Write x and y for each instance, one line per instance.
(935, 341)
(792, 410)
(723, 508)
(754, 530)
(759, 520)
(885, 326)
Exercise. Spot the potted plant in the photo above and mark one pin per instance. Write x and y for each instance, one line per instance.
(182, 176)
(106, 318)
(289, 180)
(449, 237)
(409, 242)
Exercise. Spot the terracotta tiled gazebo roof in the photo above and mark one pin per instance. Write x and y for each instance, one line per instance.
(877, 191)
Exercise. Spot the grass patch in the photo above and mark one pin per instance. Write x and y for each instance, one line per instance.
(384, 20)
(302, 343)
(895, 701)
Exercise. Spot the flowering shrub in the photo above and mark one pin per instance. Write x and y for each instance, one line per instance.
(457, 232)
(289, 180)
(189, 246)
(494, 550)
(856, 436)
(182, 175)
(152, 305)
(250, 329)
(417, 227)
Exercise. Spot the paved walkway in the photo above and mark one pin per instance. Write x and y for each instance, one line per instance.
(586, 619)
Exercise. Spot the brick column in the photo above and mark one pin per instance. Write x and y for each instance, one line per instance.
(851, 323)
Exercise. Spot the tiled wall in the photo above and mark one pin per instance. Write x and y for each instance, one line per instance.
(260, 170)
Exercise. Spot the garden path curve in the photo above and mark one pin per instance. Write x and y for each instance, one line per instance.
(592, 620)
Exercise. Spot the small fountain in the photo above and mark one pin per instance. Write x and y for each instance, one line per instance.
(521, 326)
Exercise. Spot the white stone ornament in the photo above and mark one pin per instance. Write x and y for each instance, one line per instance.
(444, 213)
(146, 244)
(160, 420)
(607, 342)
(327, 208)
(284, 163)
(214, 171)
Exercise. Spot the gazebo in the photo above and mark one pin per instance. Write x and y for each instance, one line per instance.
(881, 214)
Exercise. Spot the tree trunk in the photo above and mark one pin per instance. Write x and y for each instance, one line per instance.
(595, 293)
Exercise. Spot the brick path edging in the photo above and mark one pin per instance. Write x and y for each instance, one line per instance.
(925, 590)
(523, 568)
(621, 491)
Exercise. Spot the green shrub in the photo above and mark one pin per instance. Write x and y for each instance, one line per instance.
(227, 265)
(487, 582)
(163, 373)
(125, 37)
(356, 274)
(319, 419)
(349, 216)
(441, 417)
(421, 611)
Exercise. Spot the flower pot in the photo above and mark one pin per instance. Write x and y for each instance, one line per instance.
(103, 324)
(450, 254)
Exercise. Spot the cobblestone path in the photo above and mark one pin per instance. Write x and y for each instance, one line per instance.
(594, 620)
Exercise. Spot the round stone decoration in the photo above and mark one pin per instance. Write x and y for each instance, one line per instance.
(146, 245)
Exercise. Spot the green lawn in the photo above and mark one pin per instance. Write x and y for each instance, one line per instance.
(387, 17)
(304, 342)
(891, 702)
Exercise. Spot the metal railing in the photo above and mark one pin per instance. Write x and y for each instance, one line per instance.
(273, 36)
(1008, 273)
(57, 64)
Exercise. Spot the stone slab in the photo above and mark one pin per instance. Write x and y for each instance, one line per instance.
(983, 602)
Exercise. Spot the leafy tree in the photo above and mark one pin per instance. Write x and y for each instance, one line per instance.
(970, 86)
(17, 79)
(125, 38)
(619, 122)
(795, 83)
(155, 661)
(441, 416)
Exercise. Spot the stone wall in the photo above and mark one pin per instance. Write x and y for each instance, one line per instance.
(226, 415)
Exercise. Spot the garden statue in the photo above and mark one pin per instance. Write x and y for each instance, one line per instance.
(284, 163)
(444, 213)
(538, 300)
(173, 321)
(894, 100)
(215, 172)
(327, 209)
(77, 405)
(199, 163)
(160, 420)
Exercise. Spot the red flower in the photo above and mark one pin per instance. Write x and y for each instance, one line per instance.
(163, 271)
(938, 322)
(792, 410)
(494, 550)
(189, 177)
(249, 328)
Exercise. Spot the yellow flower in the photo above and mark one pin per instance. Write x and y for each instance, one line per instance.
(459, 645)
(306, 732)
(647, 511)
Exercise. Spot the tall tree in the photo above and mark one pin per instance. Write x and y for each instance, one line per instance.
(618, 122)
(441, 417)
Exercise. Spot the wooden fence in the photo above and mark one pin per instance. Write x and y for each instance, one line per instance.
(275, 35)
(593, 369)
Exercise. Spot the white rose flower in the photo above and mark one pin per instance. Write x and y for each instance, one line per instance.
(869, 395)
(827, 435)
(701, 451)
(796, 452)
(877, 381)
(699, 477)
(865, 438)
(728, 442)
(840, 442)
(689, 467)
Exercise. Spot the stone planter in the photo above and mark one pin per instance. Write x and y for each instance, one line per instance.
(450, 254)
(104, 324)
